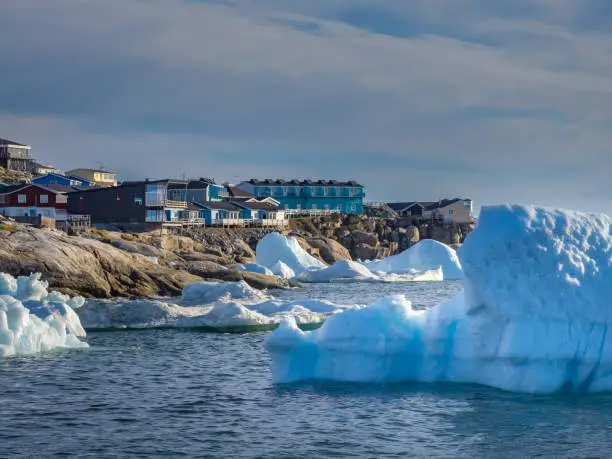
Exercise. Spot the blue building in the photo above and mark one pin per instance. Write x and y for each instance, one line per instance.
(58, 179)
(201, 190)
(310, 195)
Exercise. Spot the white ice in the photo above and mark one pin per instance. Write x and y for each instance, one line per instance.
(205, 304)
(255, 268)
(33, 320)
(426, 255)
(275, 247)
(352, 271)
(533, 317)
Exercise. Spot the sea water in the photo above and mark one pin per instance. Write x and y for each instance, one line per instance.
(184, 393)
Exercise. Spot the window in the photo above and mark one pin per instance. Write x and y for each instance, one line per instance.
(138, 200)
(2, 199)
(339, 207)
(353, 207)
(286, 205)
(314, 207)
(44, 198)
(155, 216)
(326, 206)
(467, 205)
(451, 211)
(22, 198)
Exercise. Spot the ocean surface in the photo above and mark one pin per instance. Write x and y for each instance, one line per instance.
(181, 393)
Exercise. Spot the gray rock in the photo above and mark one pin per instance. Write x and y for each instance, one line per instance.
(330, 250)
(361, 238)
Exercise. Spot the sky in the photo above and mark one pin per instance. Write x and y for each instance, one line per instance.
(506, 101)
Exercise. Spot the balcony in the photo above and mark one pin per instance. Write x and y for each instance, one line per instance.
(176, 204)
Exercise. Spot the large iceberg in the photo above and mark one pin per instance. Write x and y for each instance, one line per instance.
(533, 316)
(276, 248)
(33, 320)
(426, 255)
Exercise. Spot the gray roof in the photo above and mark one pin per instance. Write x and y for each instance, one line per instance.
(402, 205)
(236, 193)
(307, 182)
(218, 205)
(442, 203)
(10, 188)
(259, 205)
(10, 142)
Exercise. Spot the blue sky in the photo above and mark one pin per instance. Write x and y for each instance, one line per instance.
(504, 101)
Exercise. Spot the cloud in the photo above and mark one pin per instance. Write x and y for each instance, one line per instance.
(492, 99)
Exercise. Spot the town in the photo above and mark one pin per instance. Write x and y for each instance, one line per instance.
(42, 195)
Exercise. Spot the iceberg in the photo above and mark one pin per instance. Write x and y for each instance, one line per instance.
(276, 248)
(426, 255)
(214, 305)
(352, 271)
(255, 268)
(283, 271)
(33, 320)
(533, 316)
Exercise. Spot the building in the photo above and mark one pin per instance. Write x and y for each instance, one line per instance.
(308, 196)
(222, 213)
(449, 210)
(15, 156)
(41, 169)
(58, 179)
(96, 177)
(33, 201)
(263, 213)
(144, 203)
(200, 190)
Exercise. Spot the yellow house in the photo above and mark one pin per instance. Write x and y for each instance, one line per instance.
(98, 177)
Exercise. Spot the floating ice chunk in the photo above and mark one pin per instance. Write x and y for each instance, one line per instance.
(426, 255)
(275, 247)
(534, 316)
(209, 292)
(283, 271)
(341, 270)
(33, 320)
(255, 268)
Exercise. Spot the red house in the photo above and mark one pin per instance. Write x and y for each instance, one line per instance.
(33, 201)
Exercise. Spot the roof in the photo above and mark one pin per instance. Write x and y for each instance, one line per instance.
(258, 205)
(307, 182)
(60, 188)
(218, 205)
(57, 189)
(90, 170)
(402, 205)
(192, 206)
(11, 188)
(10, 142)
(236, 192)
(439, 204)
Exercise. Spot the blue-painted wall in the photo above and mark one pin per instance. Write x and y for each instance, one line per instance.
(345, 200)
(56, 179)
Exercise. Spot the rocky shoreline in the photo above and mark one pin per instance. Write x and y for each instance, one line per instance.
(104, 264)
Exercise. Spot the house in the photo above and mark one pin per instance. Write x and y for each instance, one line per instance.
(200, 190)
(407, 209)
(33, 200)
(15, 156)
(449, 210)
(143, 203)
(308, 196)
(41, 169)
(222, 213)
(263, 213)
(97, 177)
(58, 179)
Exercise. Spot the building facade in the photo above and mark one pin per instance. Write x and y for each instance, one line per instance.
(145, 203)
(33, 201)
(310, 196)
(448, 210)
(15, 156)
(96, 177)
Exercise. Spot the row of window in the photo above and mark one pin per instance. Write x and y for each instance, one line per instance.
(316, 191)
(338, 207)
(23, 199)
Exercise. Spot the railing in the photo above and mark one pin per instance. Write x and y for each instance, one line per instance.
(193, 221)
(310, 212)
(75, 218)
(172, 203)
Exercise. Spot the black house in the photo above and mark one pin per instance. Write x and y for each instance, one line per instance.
(145, 202)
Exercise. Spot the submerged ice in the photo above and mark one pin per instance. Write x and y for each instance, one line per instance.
(33, 320)
(533, 317)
